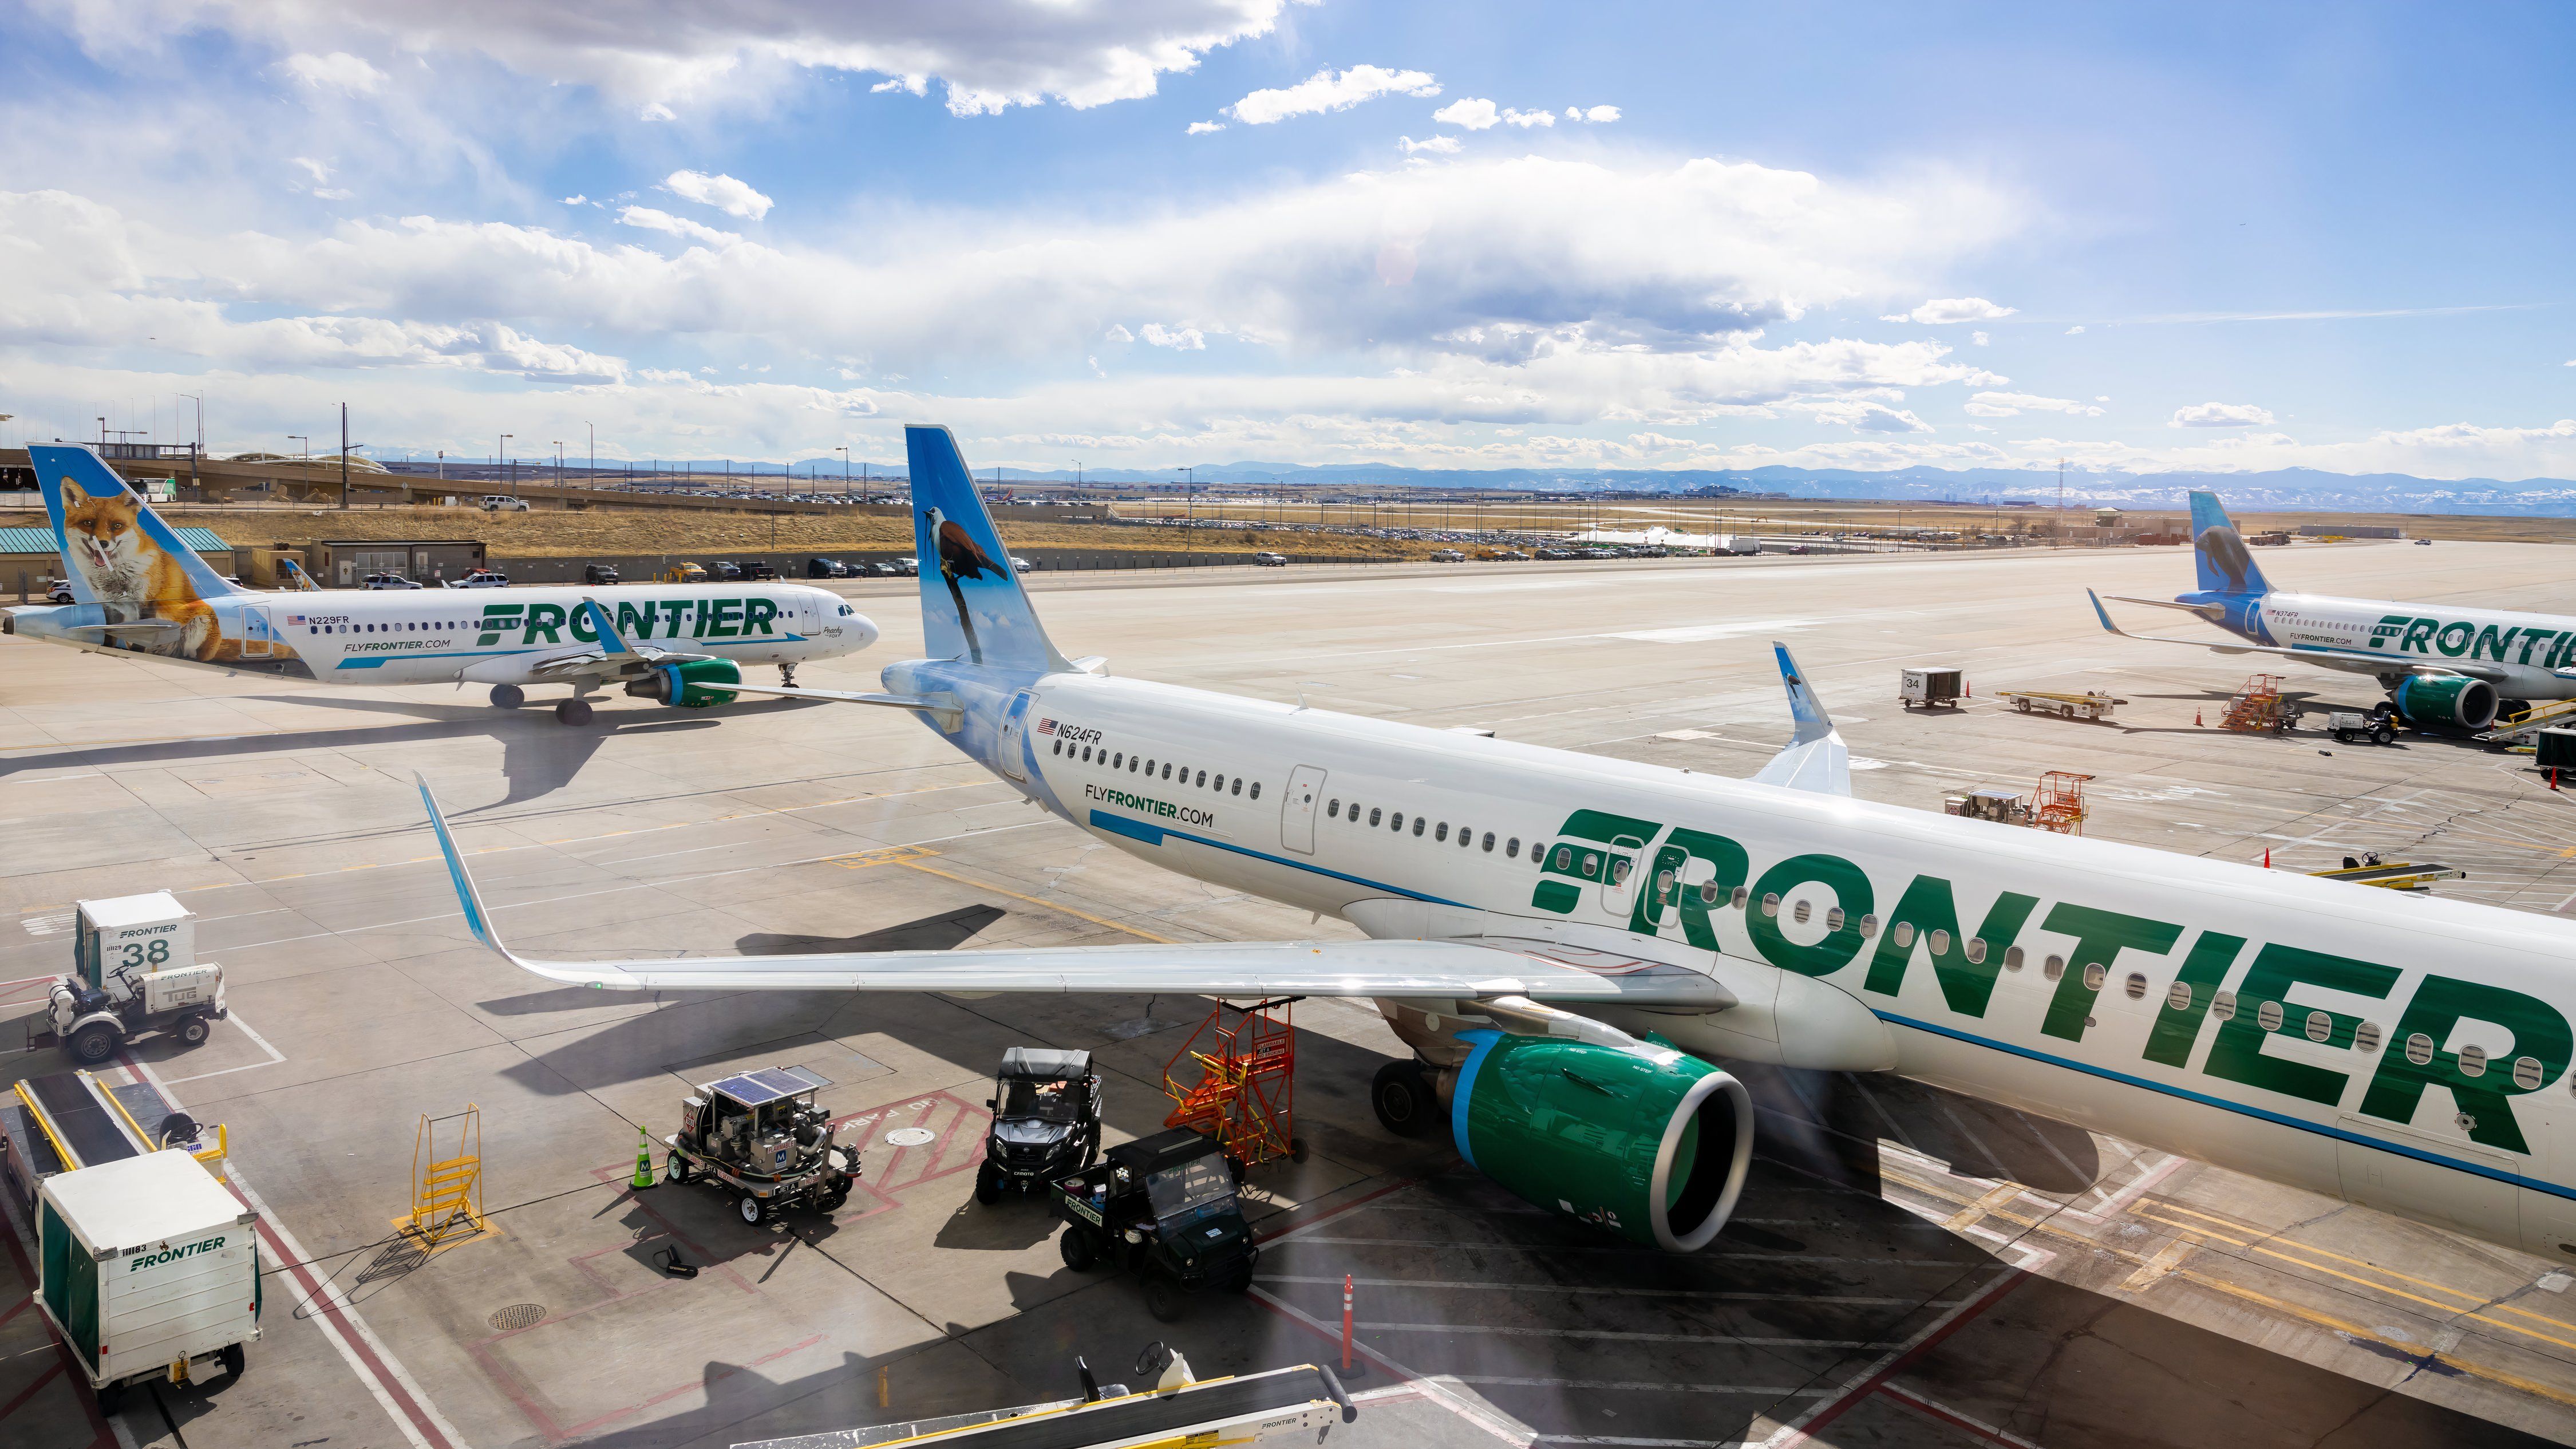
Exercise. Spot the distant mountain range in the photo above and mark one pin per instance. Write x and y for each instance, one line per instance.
(2283, 489)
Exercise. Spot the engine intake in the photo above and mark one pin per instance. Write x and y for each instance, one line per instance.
(696, 684)
(2446, 701)
(1650, 1144)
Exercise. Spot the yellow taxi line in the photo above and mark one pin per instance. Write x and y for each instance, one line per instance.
(2481, 1299)
(2355, 1330)
(1035, 901)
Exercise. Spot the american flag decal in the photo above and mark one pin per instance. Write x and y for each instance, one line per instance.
(295, 618)
(1046, 726)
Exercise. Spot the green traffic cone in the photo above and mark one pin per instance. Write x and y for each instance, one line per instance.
(643, 1160)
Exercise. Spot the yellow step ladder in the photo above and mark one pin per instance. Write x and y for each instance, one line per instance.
(447, 1191)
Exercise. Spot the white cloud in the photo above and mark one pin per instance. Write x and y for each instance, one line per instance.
(911, 85)
(1437, 145)
(1527, 119)
(1594, 116)
(1864, 416)
(651, 219)
(1206, 128)
(655, 111)
(1118, 333)
(1980, 338)
(1945, 310)
(2221, 415)
(1327, 90)
(988, 56)
(2075, 331)
(576, 199)
(338, 71)
(1180, 339)
(2014, 404)
(1468, 112)
(724, 193)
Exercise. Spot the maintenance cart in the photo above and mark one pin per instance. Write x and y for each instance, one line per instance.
(1046, 1121)
(762, 1137)
(134, 969)
(2093, 704)
(2374, 727)
(1164, 1209)
(149, 1269)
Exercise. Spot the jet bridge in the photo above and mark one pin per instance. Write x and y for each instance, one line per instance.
(1239, 1410)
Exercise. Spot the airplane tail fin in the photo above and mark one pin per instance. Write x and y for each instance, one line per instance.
(2225, 564)
(972, 605)
(1815, 758)
(104, 531)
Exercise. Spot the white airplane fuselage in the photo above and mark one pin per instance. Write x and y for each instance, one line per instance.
(2395, 1050)
(2525, 656)
(479, 636)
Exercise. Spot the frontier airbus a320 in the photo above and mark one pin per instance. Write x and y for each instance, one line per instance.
(1575, 947)
(136, 589)
(2441, 666)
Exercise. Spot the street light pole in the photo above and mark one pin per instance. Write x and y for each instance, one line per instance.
(504, 460)
(344, 455)
(844, 451)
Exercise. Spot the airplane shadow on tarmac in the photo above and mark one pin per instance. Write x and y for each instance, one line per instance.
(538, 755)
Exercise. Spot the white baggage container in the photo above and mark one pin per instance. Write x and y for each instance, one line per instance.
(149, 1268)
(147, 933)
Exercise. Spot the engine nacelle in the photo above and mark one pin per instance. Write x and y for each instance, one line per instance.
(1651, 1144)
(696, 684)
(2446, 701)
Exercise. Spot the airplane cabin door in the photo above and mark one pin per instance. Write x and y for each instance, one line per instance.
(1297, 809)
(1619, 876)
(1015, 723)
(256, 632)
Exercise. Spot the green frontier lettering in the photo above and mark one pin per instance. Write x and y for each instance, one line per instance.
(545, 624)
(2386, 629)
(2419, 633)
(2177, 1028)
(1928, 906)
(2237, 1053)
(758, 614)
(1829, 955)
(634, 622)
(1570, 858)
(2437, 1010)
(2100, 937)
(1697, 900)
(499, 619)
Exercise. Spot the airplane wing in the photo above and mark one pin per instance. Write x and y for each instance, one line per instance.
(1815, 757)
(1233, 969)
(2354, 661)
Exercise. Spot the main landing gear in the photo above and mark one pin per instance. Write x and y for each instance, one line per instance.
(508, 696)
(1404, 1100)
(573, 712)
(787, 675)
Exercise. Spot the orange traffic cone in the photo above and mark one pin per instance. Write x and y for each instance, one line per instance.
(2195, 720)
(2267, 857)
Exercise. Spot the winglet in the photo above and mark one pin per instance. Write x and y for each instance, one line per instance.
(1815, 758)
(477, 920)
(1805, 710)
(607, 632)
(2104, 615)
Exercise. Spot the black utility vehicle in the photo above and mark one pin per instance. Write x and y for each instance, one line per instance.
(1046, 1121)
(759, 571)
(1163, 1209)
(599, 573)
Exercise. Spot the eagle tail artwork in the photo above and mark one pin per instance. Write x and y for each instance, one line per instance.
(960, 558)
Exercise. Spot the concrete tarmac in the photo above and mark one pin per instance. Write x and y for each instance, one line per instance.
(1908, 1267)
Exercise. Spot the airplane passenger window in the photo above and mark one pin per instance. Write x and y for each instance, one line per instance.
(2366, 1038)
(1238, 786)
(1220, 784)
(1149, 767)
(1333, 811)
(1708, 893)
(1663, 879)
(1489, 843)
(2093, 974)
(2473, 1060)
(2178, 996)
(1564, 857)
(1167, 772)
(1466, 838)
(2268, 1016)
(1202, 779)
(1903, 934)
(1514, 850)
(1373, 814)
(1771, 903)
(2222, 1007)
(2526, 1073)
(2320, 1026)
(1418, 823)
(1118, 759)
(2055, 968)
(1442, 833)
(1740, 897)
(1132, 763)
(1256, 789)
(1976, 949)
(1395, 821)
(2419, 1048)
(2136, 986)
(1059, 748)
(1086, 754)
(1804, 909)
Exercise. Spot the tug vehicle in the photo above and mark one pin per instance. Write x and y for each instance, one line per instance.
(761, 1137)
(134, 969)
(1164, 1209)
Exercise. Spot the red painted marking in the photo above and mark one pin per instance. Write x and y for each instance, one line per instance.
(365, 1352)
(16, 1308)
(1939, 1414)
(29, 1391)
(102, 1437)
(1830, 1412)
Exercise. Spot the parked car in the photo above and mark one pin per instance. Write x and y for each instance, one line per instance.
(907, 566)
(684, 573)
(1269, 560)
(481, 579)
(386, 581)
(757, 570)
(728, 572)
(58, 591)
(1447, 555)
(877, 570)
(825, 568)
(1020, 565)
(501, 503)
(599, 573)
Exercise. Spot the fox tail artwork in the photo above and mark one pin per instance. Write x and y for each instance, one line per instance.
(1578, 954)
(2443, 666)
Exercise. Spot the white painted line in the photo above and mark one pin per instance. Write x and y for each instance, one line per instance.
(274, 1056)
(1776, 1393)
(338, 1313)
(1560, 1290)
(1955, 1263)
(1617, 1439)
(1614, 1336)
(1493, 1421)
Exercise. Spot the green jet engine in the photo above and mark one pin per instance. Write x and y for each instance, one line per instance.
(2446, 701)
(1650, 1144)
(696, 684)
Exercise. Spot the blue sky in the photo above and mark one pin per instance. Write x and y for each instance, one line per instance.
(1832, 235)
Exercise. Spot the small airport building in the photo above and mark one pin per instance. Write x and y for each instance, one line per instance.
(28, 558)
